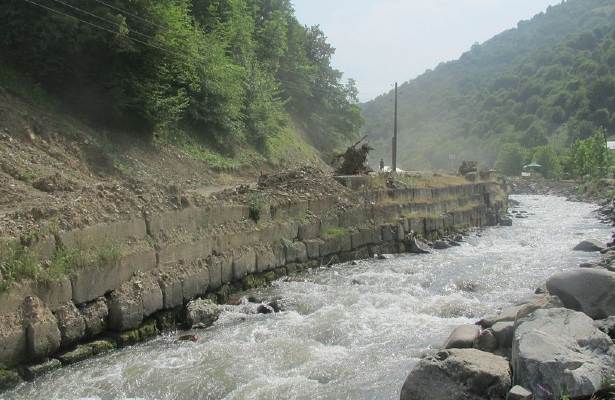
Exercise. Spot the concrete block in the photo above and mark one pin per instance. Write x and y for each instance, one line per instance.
(71, 324)
(265, 259)
(13, 349)
(244, 262)
(95, 316)
(126, 306)
(310, 230)
(313, 248)
(295, 251)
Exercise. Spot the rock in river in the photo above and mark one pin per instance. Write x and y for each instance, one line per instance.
(467, 374)
(591, 291)
(590, 245)
(560, 352)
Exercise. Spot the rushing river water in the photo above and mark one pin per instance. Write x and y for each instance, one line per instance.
(348, 332)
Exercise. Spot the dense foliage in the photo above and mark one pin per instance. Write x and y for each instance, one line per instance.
(529, 93)
(232, 71)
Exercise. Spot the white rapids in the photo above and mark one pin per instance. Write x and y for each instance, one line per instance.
(347, 332)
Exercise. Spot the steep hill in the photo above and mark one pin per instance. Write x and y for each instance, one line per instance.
(548, 81)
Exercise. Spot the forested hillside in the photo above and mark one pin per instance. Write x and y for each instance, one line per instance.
(536, 88)
(227, 72)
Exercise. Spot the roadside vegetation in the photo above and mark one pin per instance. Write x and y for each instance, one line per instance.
(232, 75)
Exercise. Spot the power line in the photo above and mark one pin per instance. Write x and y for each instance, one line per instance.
(131, 14)
(109, 21)
(103, 28)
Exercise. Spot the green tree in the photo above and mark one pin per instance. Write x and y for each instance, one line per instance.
(511, 159)
(550, 161)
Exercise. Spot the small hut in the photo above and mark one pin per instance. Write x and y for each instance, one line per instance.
(531, 170)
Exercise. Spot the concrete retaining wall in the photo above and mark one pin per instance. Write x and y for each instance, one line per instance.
(179, 255)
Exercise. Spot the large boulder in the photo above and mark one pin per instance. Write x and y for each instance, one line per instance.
(202, 313)
(464, 374)
(559, 351)
(588, 290)
(95, 315)
(71, 324)
(43, 336)
(590, 246)
(462, 337)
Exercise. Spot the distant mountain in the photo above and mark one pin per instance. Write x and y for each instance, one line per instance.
(548, 81)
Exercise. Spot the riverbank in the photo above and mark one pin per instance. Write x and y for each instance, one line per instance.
(557, 344)
(252, 237)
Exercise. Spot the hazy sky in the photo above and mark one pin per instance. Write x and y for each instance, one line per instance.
(380, 41)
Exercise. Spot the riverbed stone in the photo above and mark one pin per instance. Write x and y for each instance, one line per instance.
(80, 353)
(519, 393)
(462, 337)
(95, 316)
(588, 290)
(503, 332)
(486, 341)
(562, 351)
(31, 372)
(71, 324)
(467, 374)
(9, 379)
(202, 313)
(43, 336)
(590, 245)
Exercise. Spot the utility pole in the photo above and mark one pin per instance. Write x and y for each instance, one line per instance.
(395, 135)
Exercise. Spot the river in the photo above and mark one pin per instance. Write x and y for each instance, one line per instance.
(347, 332)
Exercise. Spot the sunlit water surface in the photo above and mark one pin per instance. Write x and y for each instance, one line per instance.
(348, 332)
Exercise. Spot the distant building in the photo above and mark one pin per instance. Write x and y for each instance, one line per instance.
(611, 145)
(532, 169)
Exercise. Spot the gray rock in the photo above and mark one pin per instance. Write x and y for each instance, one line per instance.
(151, 294)
(71, 324)
(417, 247)
(561, 351)
(607, 326)
(511, 314)
(202, 313)
(504, 332)
(519, 393)
(590, 245)
(508, 314)
(462, 337)
(506, 221)
(486, 341)
(43, 336)
(588, 290)
(441, 245)
(95, 316)
(34, 371)
(126, 306)
(467, 374)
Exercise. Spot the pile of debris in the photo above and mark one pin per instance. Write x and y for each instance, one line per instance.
(354, 160)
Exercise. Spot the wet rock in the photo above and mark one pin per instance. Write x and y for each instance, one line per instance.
(31, 372)
(78, 354)
(202, 313)
(43, 336)
(462, 337)
(416, 246)
(607, 326)
(486, 341)
(441, 245)
(506, 221)
(269, 308)
(519, 393)
(71, 324)
(588, 290)
(188, 338)
(101, 346)
(561, 351)
(95, 316)
(508, 314)
(467, 374)
(590, 245)
(504, 332)
(9, 379)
